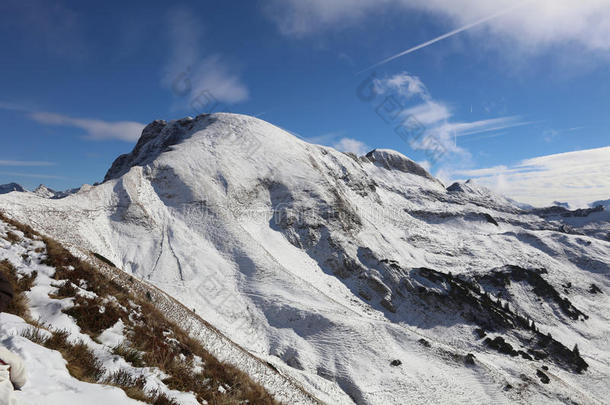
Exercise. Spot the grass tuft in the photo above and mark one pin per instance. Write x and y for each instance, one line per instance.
(19, 304)
(13, 237)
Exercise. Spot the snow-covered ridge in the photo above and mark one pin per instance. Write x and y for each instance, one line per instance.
(366, 282)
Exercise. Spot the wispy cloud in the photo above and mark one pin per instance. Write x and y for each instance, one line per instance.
(449, 34)
(95, 129)
(578, 177)
(25, 163)
(189, 74)
(413, 99)
(490, 125)
(32, 175)
(534, 25)
(351, 145)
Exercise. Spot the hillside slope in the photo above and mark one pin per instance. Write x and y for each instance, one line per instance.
(84, 327)
(363, 278)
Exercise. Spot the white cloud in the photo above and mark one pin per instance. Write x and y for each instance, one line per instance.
(351, 145)
(303, 17)
(533, 24)
(490, 125)
(578, 177)
(408, 98)
(198, 80)
(96, 129)
(404, 84)
(25, 163)
(429, 113)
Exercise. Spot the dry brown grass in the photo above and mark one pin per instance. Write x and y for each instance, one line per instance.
(13, 237)
(152, 340)
(35, 335)
(92, 316)
(19, 304)
(67, 289)
(81, 361)
(28, 232)
(131, 355)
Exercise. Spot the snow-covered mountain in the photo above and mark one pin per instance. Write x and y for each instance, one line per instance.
(41, 190)
(10, 187)
(603, 203)
(362, 278)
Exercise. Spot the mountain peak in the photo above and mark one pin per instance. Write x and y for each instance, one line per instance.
(157, 137)
(10, 187)
(44, 191)
(391, 159)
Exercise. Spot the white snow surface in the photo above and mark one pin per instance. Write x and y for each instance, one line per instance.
(300, 253)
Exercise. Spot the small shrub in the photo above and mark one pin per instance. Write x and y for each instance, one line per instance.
(19, 304)
(130, 355)
(159, 398)
(35, 335)
(133, 387)
(58, 341)
(82, 363)
(66, 290)
(92, 316)
(26, 282)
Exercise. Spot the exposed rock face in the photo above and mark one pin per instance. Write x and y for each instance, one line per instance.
(393, 160)
(157, 137)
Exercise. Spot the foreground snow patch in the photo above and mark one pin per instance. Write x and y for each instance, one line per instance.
(49, 381)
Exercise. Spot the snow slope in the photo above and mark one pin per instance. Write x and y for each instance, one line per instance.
(315, 261)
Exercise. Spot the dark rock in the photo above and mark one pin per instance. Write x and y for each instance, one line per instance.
(500, 345)
(502, 277)
(395, 363)
(525, 355)
(424, 342)
(387, 304)
(543, 377)
(469, 359)
(157, 137)
(490, 219)
(392, 160)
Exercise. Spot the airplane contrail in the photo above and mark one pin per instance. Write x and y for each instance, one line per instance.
(444, 36)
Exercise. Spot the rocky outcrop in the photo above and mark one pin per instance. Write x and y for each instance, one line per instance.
(392, 160)
(10, 187)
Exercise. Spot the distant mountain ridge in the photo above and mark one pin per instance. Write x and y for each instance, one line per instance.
(10, 187)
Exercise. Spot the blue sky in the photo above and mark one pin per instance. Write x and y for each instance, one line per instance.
(504, 100)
